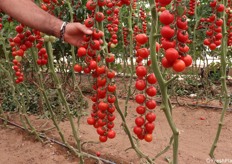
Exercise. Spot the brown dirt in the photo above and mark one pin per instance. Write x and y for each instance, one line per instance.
(17, 147)
(197, 126)
(196, 137)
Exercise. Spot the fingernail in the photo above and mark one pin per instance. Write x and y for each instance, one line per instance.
(89, 31)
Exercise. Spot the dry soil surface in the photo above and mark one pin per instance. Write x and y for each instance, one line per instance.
(197, 128)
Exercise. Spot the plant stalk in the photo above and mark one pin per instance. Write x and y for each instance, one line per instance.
(223, 83)
(162, 83)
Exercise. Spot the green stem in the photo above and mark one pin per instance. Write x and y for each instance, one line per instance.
(6, 53)
(60, 91)
(11, 83)
(162, 83)
(24, 112)
(21, 106)
(43, 91)
(11, 79)
(124, 58)
(75, 132)
(131, 47)
(126, 129)
(1, 109)
(194, 33)
(224, 86)
(72, 48)
(165, 149)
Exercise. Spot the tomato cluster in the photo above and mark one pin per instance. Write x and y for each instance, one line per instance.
(214, 26)
(143, 20)
(125, 34)
(49, 5)
(229, 24)
(19, 45)
(136, 31)
(143, 30)
(192, 6)
(43, 56)
(102, 115)
(145, 85)
(17, 68)
(113, 22)
(161, 4)
(174, 39)
(52, 6)
(103, 108)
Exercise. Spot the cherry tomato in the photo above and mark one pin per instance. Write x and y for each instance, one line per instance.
(166, 17)
(140, 98)
(179, 65)
(141, 38)
(77, 68)
(148, 137)
(139, 121)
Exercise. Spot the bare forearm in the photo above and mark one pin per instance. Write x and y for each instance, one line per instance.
(29, 14)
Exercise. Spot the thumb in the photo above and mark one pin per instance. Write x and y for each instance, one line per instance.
(84, 29)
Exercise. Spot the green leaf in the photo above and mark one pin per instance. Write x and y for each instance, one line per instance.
(180, 10)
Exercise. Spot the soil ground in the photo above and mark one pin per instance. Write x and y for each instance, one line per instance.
(197, 126)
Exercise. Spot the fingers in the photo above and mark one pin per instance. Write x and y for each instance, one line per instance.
(84, 29)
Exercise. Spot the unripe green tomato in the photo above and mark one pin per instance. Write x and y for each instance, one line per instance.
(46, 38)
(18, 58)
(52, 39)
(113, 45)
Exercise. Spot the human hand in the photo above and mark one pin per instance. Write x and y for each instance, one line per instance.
(74, 33)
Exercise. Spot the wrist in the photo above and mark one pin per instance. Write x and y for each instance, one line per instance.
(62, 31)
(56, 29)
